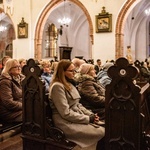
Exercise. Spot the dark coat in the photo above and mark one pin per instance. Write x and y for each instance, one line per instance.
(92, 94)
(97, 68)
(10, 98)
(145, 73)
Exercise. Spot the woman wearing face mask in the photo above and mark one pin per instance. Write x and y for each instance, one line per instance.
(68, 114)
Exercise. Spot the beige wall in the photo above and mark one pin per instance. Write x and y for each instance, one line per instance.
(104, 43)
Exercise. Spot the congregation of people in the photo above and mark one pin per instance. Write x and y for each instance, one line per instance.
(76, 91)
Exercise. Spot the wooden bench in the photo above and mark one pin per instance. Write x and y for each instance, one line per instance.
(127, 114)
(38, 131)
(4, 127)
(9, 129)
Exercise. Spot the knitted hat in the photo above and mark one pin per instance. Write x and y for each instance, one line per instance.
(107, 65)
(84, 68)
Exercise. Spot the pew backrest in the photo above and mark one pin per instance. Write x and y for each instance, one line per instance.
(38, 130)
(125, 102)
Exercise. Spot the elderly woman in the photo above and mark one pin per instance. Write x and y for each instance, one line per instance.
(77, 63)
(47, 73)
(11, 92)
(78, 123)
(91, 91)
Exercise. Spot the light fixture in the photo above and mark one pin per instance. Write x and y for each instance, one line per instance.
(65, 20)
(147, 12)
(2, 27)
(95, 0)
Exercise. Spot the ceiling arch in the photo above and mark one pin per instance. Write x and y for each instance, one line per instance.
(120, 24)
(43, 19)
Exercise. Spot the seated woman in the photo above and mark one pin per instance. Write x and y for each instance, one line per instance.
(47, 74)
(91, 91)
(77, 63)
(102, 76)
(78, 123)
(11, 92)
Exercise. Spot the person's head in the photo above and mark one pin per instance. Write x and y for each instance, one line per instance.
(144, 64)
(107, 65)
(22, 62)
(65, 69)
(98, 62)
(12, 67)
(46, 66)
(87, 69)
(77, 62)
(4, 60)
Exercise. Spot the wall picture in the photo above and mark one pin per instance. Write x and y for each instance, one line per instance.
(103, 21)
(22, 29)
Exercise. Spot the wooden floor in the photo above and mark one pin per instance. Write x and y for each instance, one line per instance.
(15, 143)
(12, 143)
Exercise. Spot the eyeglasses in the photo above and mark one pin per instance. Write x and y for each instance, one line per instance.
(74, 71)
(17, 67)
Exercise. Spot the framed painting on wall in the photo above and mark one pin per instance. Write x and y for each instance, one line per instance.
(103, 21)
(22, 29)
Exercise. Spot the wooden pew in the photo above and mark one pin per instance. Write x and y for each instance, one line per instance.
(8, 130)
(38, 131)
(127, 116)
(4, 127)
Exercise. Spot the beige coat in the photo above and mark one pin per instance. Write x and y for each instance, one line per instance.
(72, 118)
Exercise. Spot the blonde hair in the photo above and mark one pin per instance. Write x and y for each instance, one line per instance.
(59, 74)
(45, 63)
(9, 64)
(4, 59)
(54, 65)
(21, 60)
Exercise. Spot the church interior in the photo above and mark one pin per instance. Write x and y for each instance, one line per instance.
(128, 26)
(85, 29)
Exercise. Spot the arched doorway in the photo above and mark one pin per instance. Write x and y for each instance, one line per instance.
(42, 21)
(7, 35)
(119, 32)
(119, 29)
